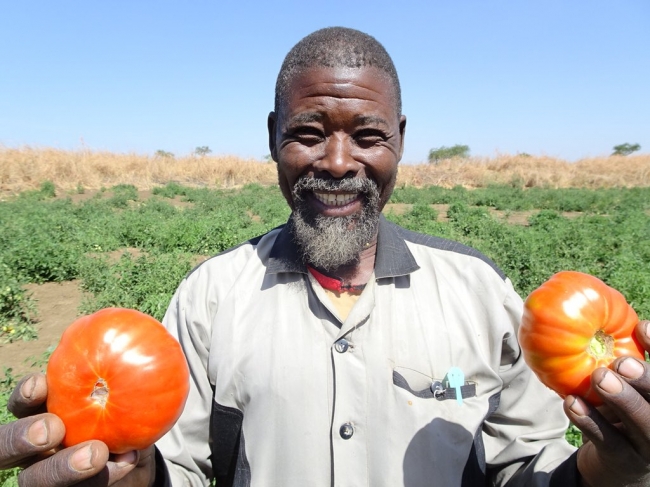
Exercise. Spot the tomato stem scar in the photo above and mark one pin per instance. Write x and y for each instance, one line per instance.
(601, 345)
(100, 392)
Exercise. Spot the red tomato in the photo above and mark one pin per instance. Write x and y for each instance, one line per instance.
(117, 376)
(573, 324)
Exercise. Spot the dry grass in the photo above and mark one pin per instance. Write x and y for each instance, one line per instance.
(530, 171)
(26, 168)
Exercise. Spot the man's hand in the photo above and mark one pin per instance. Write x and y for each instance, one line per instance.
(33, 442)
(617, 435)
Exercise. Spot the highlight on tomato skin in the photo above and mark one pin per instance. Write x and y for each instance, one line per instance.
(572, 324)
(117, 376)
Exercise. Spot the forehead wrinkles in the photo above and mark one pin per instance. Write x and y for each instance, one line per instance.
(346, 90)
(354, 84)
(319, 108)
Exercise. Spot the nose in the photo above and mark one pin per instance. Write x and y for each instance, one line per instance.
(337, 159)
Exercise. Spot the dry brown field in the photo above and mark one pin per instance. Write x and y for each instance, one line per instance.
(26, 168)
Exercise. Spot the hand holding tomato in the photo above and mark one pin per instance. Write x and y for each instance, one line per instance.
(33, 442)
(115, 384)
(572, 310)
(616, 451)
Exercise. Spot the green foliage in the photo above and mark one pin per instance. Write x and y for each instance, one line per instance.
(170, 190)
(46, 240)
(625, 149)
(516, 198)
(164, 154)
(122, 194)
(202, 150)
(48, 189)
(8, 478)
(216, 220)
(429, 195)
(609, 239)
(441, 153)
(422, 218)
(16, 308)
(50, 239)
(146, 283)
(41, 240)
(7, 384)
(574, 436)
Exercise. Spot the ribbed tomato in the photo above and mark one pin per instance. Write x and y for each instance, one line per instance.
(117, 376)
(572, 324)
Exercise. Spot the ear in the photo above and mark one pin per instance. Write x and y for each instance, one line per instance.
(402, 133)
(271, 125)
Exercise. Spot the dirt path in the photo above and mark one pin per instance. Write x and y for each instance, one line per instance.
(57, 306)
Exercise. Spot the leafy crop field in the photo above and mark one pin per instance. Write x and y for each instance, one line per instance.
(47, 238)
(127, 250)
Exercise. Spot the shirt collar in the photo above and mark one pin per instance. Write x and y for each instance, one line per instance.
(393, 255)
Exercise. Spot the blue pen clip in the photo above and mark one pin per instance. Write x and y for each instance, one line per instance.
(455, 380)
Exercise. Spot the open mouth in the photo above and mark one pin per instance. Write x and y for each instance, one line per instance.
(335, 199)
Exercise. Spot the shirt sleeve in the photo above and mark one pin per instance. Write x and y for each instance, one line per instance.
(185, 448)
(524, 437)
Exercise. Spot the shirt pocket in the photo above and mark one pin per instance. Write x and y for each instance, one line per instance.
(426, 387)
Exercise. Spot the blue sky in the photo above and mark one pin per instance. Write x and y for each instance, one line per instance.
(568, 79)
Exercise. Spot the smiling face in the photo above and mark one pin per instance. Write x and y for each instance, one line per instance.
(337, 140)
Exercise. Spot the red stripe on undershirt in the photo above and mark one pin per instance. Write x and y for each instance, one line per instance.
(334, 283)
(329, 283)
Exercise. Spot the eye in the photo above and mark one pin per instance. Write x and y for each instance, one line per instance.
(307, 135)
(366, 138)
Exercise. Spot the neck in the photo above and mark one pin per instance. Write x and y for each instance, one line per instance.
(358, 273)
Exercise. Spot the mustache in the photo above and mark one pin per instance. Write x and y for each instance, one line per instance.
(351, 185)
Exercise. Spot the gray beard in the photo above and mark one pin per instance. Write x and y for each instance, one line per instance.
(330, 242)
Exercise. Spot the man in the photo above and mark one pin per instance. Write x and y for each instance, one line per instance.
(341, 349)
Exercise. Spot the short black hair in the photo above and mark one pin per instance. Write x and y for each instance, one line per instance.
(336, 47)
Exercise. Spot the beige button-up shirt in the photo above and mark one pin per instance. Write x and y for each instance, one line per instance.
(422, 384)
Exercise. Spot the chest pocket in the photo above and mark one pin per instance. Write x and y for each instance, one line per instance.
(426, 387)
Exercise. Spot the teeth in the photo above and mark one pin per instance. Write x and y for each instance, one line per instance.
(332, 199)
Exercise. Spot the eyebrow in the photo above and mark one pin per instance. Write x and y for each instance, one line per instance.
(306, 118)
(370, 120)
(318, 117)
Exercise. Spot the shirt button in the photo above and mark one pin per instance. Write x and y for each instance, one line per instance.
(346, 431)
(342, 345)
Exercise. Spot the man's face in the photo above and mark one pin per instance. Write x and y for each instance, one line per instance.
(337, 140)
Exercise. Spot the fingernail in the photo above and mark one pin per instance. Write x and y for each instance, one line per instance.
(126, 459)
(38, 434)
(610, 383)
(27, 389)
(630, 368)
(578, 407)
(82, 459)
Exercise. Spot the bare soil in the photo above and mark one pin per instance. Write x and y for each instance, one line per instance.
(57, 307)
